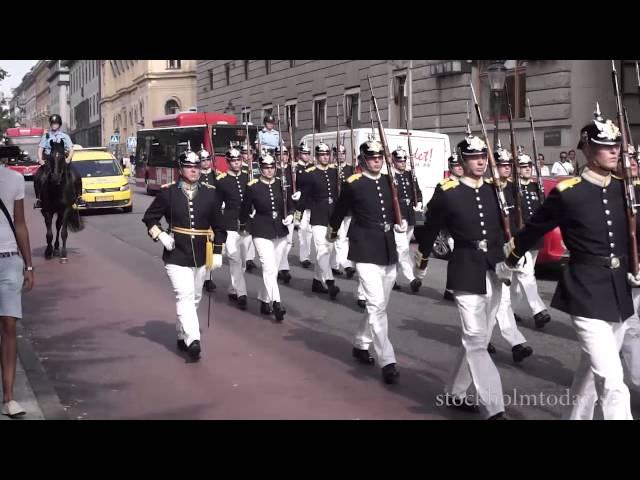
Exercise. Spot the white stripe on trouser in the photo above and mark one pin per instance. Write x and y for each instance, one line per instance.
(248, 250)
(631, 343)
(506, 320)
(323, 254)
(284, 263)
(187, 285)
(342, 245)
(377, 282)
(305, 236)
(404, 265)
(474, 363)
(234, 252)
(526, 301)
(270, 254)
(599, 375)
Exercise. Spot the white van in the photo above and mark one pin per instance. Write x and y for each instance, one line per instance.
(430, 152)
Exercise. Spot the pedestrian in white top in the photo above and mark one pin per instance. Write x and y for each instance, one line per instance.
(544, 170)
(563, 166)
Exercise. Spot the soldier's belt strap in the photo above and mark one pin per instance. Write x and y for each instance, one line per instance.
(599, 261)
(483, 245)
(191, 231)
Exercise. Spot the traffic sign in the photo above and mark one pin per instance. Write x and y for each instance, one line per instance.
(115, 139)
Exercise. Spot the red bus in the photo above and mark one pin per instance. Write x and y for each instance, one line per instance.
(158, 147)
(27, 139)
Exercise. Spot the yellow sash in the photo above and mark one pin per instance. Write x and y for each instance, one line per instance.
(208, 246)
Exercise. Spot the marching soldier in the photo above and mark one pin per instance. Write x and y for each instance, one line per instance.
(283, 269)
(595, 286)
(207, 177)
(269, 230)
(505, 317)
(305, 236)
(319, 195)
(525, 298)
(192, 210)
(408, 210)
(342, 244)
(469, 210)
(372, 248)
(268, 136)
(231, 187)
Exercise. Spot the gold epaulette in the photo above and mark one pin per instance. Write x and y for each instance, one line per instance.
(489, 180)
(354, 177)
(208, 186)
(252, 182)
(221, 176)
(451, 183)
(444, 180)
(636, 182)
(245, 171)
(568, 183)
(310, 169)
(167, 185)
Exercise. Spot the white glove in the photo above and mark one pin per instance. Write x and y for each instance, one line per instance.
(217, 261)
(296, 196)
(503, 272)
(287, 221)
(633, 281)
(401, 228)
(167, 240)
(418, 207)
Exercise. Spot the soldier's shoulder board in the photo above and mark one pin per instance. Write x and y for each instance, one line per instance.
(450, 183)
(253, 182)
(310, 169)
(332, 166)
(221, 176)
(354, 177)
(443, 181)
(208, 186)
(568, 183)
(167, 185)
(245, 171)
(636, 182)
(489, 180)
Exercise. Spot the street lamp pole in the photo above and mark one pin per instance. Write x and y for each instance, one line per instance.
(497, 74)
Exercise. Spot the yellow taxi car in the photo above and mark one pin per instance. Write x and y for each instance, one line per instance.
(104, 183)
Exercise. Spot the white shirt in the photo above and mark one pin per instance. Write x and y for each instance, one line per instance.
(11, 189)
(562, 168)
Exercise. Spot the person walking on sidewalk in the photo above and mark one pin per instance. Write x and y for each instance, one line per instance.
(16, 273)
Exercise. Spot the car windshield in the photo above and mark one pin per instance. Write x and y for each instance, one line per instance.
(97, 168)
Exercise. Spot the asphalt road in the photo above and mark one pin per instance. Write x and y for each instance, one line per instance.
(103, 326)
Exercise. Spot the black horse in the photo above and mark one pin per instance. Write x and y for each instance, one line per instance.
(60, 188)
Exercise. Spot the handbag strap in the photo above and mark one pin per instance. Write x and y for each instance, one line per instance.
(6, 212)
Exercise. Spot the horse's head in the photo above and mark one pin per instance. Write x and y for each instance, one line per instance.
(58, 161)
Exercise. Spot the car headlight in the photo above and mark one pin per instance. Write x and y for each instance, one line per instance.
(84, 190)
(124, 188)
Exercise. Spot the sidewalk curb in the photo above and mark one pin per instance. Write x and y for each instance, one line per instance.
(42, 388)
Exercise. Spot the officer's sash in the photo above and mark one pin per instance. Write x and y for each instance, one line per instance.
(208, 246)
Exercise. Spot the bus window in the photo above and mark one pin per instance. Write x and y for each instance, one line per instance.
(224, 135)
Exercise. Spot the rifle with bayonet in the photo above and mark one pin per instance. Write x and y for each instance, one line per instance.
(535, 154)
(283, 168)
(515, 171)
(338, 165)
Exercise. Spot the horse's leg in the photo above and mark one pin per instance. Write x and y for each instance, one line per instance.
(48, 220)
(65, 220)
(59, 222)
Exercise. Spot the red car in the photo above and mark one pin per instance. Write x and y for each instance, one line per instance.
(17, 161)
(553, 250)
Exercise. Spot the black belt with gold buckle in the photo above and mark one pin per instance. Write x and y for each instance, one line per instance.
(8, 254)
(475, 244)
(599, 261)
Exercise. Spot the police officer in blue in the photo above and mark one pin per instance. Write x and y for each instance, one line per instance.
(268, 137)
(56, 135)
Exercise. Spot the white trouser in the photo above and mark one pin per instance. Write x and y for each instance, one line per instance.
(305, 236)
(248, 250)
(477, 313)
(631, 344)
(187, 285)
(284, 263)
(377, 282)
(342, 245)
(525, 298)
(506, 320)
(324, 249)
(599, 376)
(270, 254)
(360, 290)
(405, 263)
(235, 253)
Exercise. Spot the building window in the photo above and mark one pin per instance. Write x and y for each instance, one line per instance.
(516, 89)
(227, 73)
(174, 64)
(292, 63)
(267, 66)
(246, 69)
(291, 112)
(319, 113)
(211, 79)
(171, 107)
(400, 96)
(352, 107)
(246, 115)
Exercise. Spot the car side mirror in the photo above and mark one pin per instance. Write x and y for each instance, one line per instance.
(126, 172)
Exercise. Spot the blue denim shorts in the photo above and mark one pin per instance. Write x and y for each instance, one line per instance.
(11, 280)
